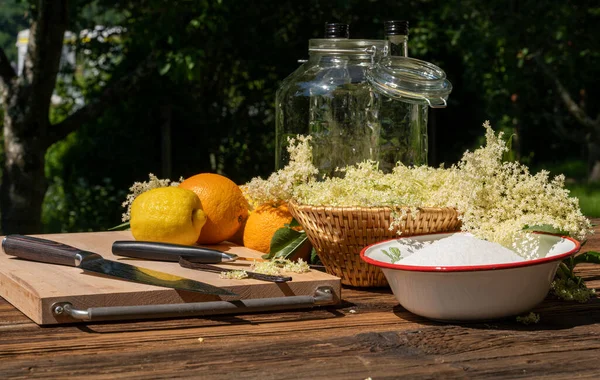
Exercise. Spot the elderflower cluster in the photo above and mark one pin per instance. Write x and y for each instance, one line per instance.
(363, 185)
(496, 200)
(299, 266)
(234, 274)
(405, 189)
(531, 318)
(277, 266)
(280, 185)
(139, 187)
(570, 290)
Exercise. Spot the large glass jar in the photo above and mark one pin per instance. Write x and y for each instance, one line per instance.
(358, 103)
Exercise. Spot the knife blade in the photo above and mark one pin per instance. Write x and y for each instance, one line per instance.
(172, 252)
(52, 252)
(215, 269)
(191, 257)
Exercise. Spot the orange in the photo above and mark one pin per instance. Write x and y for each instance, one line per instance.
(238, 238)
(224, 205)
(262, 224)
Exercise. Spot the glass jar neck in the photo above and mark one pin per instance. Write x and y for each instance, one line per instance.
(398, 45)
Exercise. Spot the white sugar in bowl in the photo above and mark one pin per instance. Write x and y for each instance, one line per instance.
(456, 279)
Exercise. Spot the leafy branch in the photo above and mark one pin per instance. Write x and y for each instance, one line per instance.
(577, 112)
(112, 93)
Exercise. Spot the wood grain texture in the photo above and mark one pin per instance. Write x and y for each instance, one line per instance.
(33, 287)
(368, 335)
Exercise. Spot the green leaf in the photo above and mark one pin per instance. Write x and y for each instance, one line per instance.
(286, 242)
(293, 223)
(565, 271)
(283, 237)
(545, 228)
(509, 155)
(592, 257)
(165, 69)
(394, 254)
(120, 227)
(290, 250)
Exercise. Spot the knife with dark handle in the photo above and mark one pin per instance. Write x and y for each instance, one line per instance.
(46, 251)
(52, 252)
(212, 268)
(169, 252)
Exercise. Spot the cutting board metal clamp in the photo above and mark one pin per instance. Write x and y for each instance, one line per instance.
(324, 295)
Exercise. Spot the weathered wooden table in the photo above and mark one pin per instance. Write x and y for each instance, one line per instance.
(369, 335)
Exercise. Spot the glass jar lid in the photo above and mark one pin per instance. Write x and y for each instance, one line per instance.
(411, 80)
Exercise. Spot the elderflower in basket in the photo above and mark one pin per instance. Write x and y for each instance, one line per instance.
(494, 200)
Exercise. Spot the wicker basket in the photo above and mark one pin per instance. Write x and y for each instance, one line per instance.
(340, 233)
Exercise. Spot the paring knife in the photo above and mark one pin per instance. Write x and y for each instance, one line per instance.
(215, 269)
(48, 251)
(191, 257)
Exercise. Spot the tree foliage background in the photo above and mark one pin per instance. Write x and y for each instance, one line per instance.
(218, 64)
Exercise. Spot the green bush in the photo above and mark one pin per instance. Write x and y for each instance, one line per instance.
(589, 198)
(80, 206)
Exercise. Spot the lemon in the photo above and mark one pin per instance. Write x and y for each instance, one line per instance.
(168, 215)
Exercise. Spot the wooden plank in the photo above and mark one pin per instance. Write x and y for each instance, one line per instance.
(379, 339)
(368, 335)
(33, 287)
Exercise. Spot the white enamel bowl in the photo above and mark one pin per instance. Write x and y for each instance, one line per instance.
(470, 293)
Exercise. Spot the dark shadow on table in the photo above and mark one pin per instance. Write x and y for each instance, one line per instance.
(555, 314)
(221, 320)
(187, 322)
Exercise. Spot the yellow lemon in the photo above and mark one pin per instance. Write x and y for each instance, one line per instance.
(168, 215)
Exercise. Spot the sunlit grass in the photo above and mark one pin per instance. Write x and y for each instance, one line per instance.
(589, 198)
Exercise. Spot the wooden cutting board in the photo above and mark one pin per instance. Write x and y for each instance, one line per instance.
(34, 287)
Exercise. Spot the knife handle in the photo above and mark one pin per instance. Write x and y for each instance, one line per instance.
(168, 252)
(42, 250)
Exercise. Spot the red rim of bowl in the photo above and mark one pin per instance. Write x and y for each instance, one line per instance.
(466, 268)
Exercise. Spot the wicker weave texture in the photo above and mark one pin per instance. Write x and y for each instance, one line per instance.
(340, 233)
